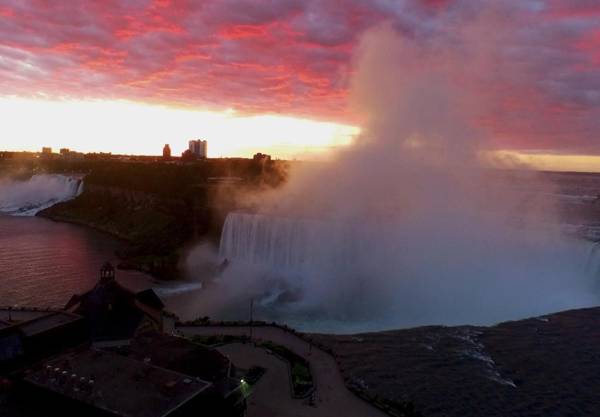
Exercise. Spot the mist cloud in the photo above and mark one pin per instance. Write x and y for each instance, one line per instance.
(408, 226)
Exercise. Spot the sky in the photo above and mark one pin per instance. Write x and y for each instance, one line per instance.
(128, 76)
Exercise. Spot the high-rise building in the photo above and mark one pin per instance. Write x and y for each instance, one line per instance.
(46, 150)
(167, 151)
(198, 148)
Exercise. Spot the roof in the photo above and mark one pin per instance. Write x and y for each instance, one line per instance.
(149, 298)
(180, 355)
(14, 337)
(48, 322)
(110, 311)
(73, 301)
(120, 385)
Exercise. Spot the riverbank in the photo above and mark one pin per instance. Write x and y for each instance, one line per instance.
(542, 366)
(150, 227)
(157, 208)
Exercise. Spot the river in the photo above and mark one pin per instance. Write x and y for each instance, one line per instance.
(43, 263)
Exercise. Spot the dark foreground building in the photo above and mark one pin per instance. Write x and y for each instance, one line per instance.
(25, 342)
(96, 383)
(114, 313)
(106, 355)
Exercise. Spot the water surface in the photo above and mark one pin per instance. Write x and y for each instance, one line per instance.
(43, 263)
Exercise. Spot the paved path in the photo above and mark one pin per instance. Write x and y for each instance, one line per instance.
(271, 396)
(332, 397)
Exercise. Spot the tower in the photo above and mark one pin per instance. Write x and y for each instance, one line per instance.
(107, 273)
(167, 152)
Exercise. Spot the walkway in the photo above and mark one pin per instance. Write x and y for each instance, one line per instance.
(272, 395)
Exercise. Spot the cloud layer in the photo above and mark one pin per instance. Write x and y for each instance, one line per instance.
(537, 61)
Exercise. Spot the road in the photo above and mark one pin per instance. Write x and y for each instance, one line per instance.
(272, 395)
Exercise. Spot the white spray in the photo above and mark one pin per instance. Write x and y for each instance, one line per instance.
(406, 227)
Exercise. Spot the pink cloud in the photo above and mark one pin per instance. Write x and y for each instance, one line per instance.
(539, 59)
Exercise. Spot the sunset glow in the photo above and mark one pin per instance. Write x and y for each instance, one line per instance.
(126, 127)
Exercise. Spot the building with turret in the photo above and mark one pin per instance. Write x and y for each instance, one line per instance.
(115, 313)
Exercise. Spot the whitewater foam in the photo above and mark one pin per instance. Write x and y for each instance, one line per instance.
(180, 288)
(28, 197)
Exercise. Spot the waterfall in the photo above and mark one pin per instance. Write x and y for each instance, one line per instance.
(288, 245)
(28, 197)
(593, 262)
(394, 274)
(260, 240)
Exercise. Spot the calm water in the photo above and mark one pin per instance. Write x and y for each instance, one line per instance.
(43, 263)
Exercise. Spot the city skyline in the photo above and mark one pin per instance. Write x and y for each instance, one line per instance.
(136, 128)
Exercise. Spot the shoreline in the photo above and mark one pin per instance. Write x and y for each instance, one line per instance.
(150, 236)
(124, 263)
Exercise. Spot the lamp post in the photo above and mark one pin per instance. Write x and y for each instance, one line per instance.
(16, 306)
(251, 315)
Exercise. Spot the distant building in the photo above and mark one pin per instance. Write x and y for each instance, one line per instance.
(167, 151)
(261, 157)
(46, 150)
(198, 148)
(98, 156)
(66, 153)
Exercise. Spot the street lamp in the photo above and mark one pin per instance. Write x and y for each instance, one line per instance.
(251, 315)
